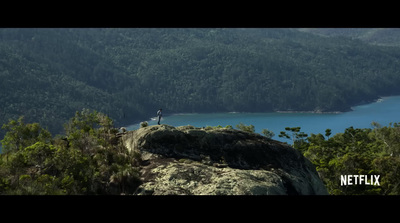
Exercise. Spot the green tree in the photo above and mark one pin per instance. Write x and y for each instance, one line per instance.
(88, 129)
(328, 132)
(92, 161)
(268, 133)
(297, 137)
(389, 169)
(20, 135)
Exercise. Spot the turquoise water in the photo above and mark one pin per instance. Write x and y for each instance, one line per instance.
(384, 111)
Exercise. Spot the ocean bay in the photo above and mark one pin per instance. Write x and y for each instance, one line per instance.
(384, 111)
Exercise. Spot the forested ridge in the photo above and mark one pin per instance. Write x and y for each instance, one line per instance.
(49, 74)
(377, 36)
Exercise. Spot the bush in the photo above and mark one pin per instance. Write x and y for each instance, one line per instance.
(144, 124)
(268, 133)
(246, 128)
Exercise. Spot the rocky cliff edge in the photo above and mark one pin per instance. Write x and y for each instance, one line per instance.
(219, 161)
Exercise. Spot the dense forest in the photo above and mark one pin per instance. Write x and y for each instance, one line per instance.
(49, 73)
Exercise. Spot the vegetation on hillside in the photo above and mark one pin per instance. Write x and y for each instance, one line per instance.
(127, 74)
(89, 158)
(369, 151)
(48, 74)
(376, 36)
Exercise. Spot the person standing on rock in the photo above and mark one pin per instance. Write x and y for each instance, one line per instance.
(159, 114)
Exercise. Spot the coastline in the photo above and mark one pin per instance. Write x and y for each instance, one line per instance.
(377, 100)
(348, 109)
(314, 112)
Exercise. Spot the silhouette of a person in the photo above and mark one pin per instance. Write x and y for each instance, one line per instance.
(159, 114)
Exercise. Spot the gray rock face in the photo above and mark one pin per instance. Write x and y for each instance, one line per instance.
(218, 161)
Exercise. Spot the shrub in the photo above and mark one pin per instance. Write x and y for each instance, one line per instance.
(268, 133)
(246, 128)
(228, 127)
(144, 124)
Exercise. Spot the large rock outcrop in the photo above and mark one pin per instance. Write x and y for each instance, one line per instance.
(219, 161)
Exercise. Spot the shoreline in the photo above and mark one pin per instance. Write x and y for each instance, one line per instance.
(313, 112)
(376, 100)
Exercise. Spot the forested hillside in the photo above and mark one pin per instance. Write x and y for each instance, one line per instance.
(377, 36)
(48, 74)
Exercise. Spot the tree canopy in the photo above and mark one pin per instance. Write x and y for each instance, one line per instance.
(369, 151)
(87, 160)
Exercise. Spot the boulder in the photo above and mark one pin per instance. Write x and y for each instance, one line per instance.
(219, 161)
